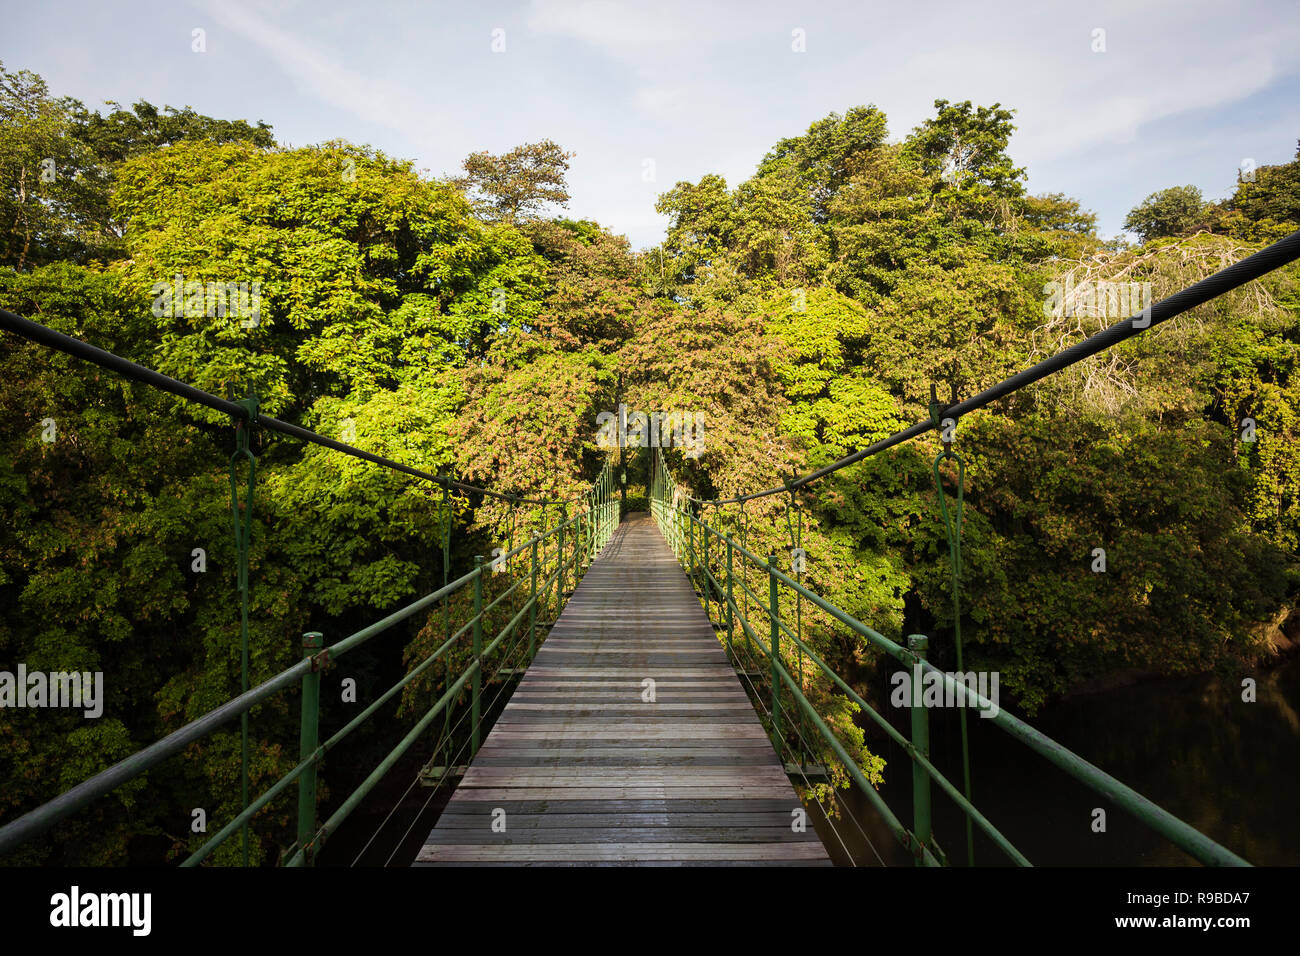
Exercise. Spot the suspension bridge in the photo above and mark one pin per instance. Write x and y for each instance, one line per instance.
(629, 740)
(662, 711)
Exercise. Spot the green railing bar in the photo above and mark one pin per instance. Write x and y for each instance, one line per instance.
(921, 823)
(309, 737)
(476, 691)
(385, 765)
(354, 800)
(278, 788)
(223, 834)
(917, 758)
(935, 774)
(993, 833)
(1162, 821)
(1181, 834)
(895, 825)
(43, 817)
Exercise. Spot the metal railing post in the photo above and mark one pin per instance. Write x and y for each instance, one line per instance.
(589, 538)
(532, 614)
(704, 533)
(308, 741)
(690, 547)
(776, 648)
(918, 643)
(559, 594)
(731, 654)
(476, 702)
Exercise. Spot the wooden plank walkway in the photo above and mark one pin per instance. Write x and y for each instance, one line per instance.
(588, 773)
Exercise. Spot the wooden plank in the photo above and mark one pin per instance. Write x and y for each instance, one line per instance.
(512, 864)
(482, 819)
(619, 831)
(630, 852)
(579, 770)
(470, 804)
(648, 792)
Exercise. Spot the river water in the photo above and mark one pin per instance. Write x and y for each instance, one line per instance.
(1229, 768)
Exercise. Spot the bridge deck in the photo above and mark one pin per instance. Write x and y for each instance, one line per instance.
(588, 773)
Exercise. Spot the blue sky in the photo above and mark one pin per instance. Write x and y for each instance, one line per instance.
(1183, 93)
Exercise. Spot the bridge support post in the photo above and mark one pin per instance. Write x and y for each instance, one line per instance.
(731, 654)
(704, 583)
(579, 544)
(476, 699)
(308, 741)
(690, 546)
(775, 610)
(559, 593)
(918, 643)
(532, 613)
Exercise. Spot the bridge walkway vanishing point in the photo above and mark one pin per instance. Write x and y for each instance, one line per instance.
(582, 769)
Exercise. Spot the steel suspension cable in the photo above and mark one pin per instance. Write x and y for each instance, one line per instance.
(1271, 257)
(35, 332)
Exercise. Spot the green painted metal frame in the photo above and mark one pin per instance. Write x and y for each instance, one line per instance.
(671, 510)
(575, 549)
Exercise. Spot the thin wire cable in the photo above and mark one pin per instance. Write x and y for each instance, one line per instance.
(456, 756)
(758, 698)
(448, 736)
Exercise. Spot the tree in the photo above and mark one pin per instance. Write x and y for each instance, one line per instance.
(1267, 207)
(1169, 212)
(515, 185)
(121, 134)
(59, 163)
(830, 153)
(373, 287)
(37, 163)
(966, 147)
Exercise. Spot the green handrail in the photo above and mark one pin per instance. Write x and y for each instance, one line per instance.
(669, 514)
(597, 513)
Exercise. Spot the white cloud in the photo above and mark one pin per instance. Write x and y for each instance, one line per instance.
(659, 99)
(1185, 90)
(616, 29)
(320, 76)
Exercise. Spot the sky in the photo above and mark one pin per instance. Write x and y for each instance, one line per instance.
(1112, 100)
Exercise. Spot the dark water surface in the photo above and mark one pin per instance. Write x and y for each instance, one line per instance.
(1228, 768)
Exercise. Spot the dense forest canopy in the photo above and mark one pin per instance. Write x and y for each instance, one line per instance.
(463, 325)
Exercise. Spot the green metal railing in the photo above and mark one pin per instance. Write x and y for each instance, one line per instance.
(568, 545)
(797, 728)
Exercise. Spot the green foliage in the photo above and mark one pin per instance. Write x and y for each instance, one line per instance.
(924, 262)
(966, 148)
(515, 185)
(59, 164)
(1266, 207)
(1169, 212)
(36, 202)
(803, 314)
(1184, 580)
(835, 402)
